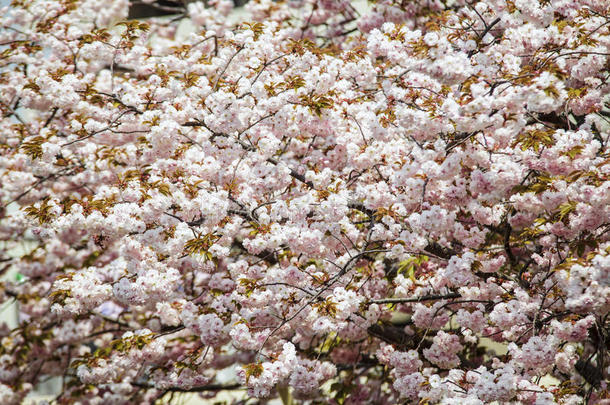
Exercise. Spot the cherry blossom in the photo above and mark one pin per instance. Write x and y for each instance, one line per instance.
(323, 203)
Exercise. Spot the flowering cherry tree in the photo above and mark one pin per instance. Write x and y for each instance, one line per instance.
(341, 207)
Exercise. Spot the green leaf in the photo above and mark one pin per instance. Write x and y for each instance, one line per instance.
(253, 370)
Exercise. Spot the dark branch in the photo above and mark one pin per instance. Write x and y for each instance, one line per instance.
(203, 388)
(416, 299)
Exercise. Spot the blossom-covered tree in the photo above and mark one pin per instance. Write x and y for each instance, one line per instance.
(342, 207)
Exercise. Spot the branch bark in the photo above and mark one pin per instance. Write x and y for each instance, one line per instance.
(416, 299)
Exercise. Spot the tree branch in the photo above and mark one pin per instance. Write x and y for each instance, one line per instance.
(203, 388)
(416, 299)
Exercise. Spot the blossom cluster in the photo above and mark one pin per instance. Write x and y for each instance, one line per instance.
(406, 202)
